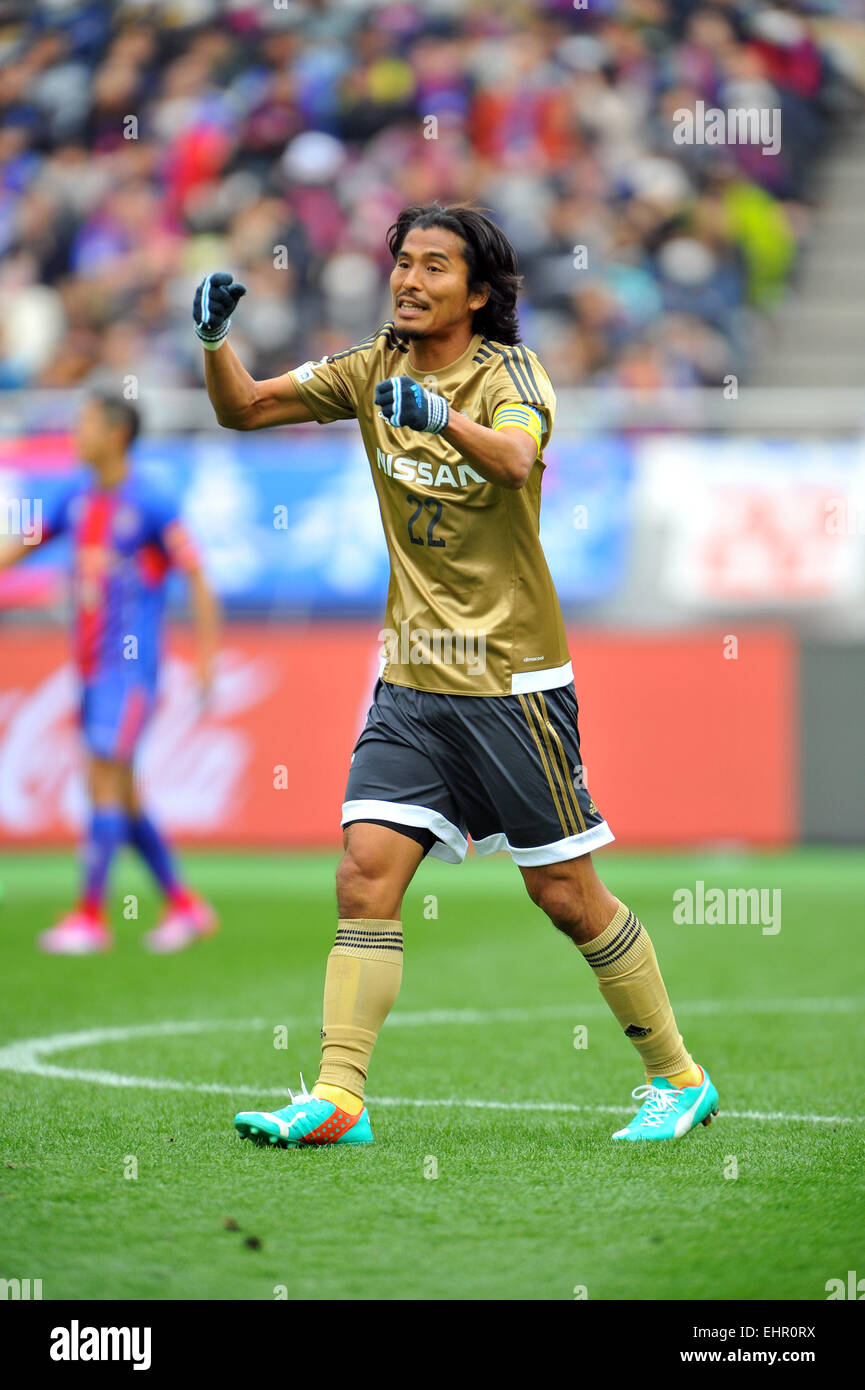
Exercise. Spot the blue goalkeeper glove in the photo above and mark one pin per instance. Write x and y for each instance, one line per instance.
(214, 303)
(404, 402)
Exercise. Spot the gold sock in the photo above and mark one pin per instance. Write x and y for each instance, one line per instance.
(692, 1077)
(346, 1100)
(364, 973)
(627, 971)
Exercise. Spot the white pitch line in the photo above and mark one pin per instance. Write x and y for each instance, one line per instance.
(599, 1009)
(25, 1058)
(572, 1109)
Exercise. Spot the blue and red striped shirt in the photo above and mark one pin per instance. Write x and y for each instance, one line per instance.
(125, 541)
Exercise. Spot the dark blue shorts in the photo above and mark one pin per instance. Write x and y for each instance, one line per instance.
(113, 716)
(505, 770)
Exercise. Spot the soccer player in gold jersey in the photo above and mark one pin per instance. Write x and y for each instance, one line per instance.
(473, 727)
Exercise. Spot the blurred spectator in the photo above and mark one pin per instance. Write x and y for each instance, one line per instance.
(142, 143)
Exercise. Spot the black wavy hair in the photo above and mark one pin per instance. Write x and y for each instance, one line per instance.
(490, 258)
(118, 411)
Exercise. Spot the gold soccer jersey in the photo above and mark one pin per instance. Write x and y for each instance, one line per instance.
(471, 606)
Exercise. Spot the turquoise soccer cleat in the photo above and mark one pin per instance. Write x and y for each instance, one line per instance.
(306, 1120)
(668, 1113)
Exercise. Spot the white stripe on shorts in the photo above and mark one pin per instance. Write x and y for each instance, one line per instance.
(554, 853)
(451, 845)
(526, 682)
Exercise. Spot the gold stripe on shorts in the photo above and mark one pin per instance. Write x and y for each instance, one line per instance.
(558, 742)
(563, 782)
(543, 757)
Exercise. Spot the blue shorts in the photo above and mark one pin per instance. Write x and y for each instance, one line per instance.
(113, 716)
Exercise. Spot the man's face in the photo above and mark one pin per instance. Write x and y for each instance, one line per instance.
(89, 431)
(97, 437)
(429, 284)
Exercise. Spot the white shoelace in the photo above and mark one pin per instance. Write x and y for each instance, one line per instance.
(656, 1103)
(302, 1095)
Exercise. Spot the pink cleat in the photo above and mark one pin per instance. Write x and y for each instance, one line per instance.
(76, 934)
(182, 926)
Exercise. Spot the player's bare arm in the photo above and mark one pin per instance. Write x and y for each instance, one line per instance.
(503, 456)
(16, 548)
(206, 618)
(12, 551)
(240, 402)
(206, 613)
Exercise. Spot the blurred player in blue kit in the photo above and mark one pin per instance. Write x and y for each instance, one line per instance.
(126, 537)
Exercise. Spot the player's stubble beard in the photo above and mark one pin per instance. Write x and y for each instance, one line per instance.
(410, 335)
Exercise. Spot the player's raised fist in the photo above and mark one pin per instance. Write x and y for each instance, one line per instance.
(214, 303)
(404, 402)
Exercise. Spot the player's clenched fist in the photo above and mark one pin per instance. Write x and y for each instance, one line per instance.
(214, 303)
(404, 402)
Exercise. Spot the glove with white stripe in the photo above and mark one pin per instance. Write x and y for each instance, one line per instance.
(214, 303)
(404, 402)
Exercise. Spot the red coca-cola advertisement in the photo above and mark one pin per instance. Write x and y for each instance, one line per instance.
(686, 739)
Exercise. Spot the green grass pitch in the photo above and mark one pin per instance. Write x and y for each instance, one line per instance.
(531, 1199)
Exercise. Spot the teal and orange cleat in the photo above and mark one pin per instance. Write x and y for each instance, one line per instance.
(307, 1120)
(668, 1113)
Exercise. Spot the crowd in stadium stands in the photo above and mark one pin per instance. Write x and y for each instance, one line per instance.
(143, 144)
